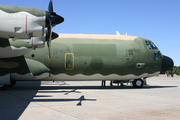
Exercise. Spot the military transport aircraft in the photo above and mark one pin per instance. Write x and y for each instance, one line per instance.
(73, 57)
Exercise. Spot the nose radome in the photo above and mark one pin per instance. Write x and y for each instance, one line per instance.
(167, 63)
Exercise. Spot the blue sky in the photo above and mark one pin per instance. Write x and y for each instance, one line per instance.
(157, 20)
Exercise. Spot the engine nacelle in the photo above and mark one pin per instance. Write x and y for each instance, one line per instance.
(10, 48)
(36, 42)
(20, 24)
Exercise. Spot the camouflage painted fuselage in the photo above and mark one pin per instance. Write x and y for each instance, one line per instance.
(88, 57)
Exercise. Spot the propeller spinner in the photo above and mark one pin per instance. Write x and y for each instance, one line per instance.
(52, 19)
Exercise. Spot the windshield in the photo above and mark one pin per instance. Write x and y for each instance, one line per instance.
(150, 45)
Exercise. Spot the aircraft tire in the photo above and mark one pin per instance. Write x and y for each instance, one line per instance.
(3, 87)
(12, 84)
(138, 83)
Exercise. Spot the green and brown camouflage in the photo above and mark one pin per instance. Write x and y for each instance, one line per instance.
(71, 56)
(87, 57)
(10, 48)
(113, 57)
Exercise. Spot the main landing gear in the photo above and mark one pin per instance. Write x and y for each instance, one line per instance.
(121, 82)
(103, 83)
(137, 83)
(5, 87)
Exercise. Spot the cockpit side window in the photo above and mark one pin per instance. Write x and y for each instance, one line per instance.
(154, 45)
(156, 56)
(150, 45)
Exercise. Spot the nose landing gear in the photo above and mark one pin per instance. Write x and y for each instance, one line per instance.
(138, 83)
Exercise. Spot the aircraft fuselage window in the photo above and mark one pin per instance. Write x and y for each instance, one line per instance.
(156, 56)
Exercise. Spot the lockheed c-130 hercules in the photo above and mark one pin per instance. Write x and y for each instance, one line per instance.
(72, 57)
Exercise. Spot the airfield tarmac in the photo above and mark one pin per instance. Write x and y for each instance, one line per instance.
(87, 100)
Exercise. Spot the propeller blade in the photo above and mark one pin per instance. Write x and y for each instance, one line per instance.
(49, 46)
(52, 16)
(50, 8)
(52, 19)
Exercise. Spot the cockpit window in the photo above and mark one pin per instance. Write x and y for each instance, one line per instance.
(154, 45)
(150, 45)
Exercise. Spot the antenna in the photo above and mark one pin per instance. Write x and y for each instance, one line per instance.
(117, 32)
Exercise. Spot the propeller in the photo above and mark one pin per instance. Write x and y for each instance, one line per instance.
(52, 19)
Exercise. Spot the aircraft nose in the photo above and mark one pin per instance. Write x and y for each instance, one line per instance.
(167, 63)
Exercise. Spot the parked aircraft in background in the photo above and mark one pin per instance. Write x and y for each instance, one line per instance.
(72, 57)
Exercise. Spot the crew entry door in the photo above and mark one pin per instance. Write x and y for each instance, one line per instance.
(69, 61)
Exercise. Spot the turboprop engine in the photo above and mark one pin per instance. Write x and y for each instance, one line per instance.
(20, 47)
(23, 22)
(39, 42)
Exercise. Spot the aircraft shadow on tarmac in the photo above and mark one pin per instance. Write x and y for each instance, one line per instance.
(82, 98)
(86, 87)
(14, 101)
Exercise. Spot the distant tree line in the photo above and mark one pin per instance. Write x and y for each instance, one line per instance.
(173, 71)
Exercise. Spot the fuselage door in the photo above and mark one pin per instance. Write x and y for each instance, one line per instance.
(69, 61)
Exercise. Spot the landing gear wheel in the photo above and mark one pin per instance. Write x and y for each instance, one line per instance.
(138, 83)
(3, 87)
(111, 83)
(12, 84)
(103, 83)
